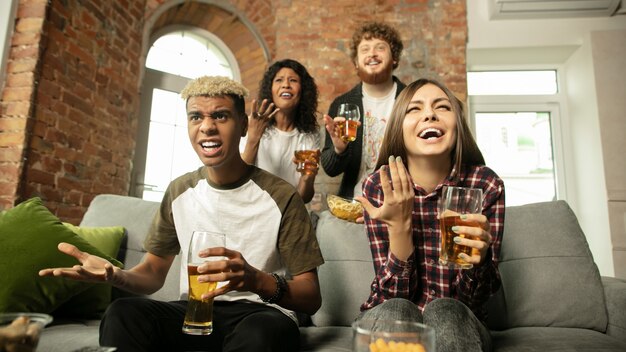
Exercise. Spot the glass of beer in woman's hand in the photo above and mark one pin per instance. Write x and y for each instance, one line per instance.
(306, 154)
(199, 315)
(454, 202)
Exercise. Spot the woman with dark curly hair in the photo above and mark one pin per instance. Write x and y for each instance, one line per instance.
(287, 113)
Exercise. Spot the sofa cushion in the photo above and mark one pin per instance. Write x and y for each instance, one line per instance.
(326, 339)
(93, 302)
(135, 215)
(548, 274)
(29, 235)
(541, 339)
(347, 273)
(65, 335)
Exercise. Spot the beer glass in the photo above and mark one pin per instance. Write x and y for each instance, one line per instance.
(392, 335)
(347, 128)
(454, 202)
(199, 315)
(307, 157)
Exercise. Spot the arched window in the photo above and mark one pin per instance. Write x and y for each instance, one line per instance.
(191, 53)
(177, 55)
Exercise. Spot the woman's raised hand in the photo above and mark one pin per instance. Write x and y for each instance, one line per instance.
(399, 194)
(397, 208)
(259, 118)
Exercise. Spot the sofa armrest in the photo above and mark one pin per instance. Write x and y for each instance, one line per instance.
(615, 295)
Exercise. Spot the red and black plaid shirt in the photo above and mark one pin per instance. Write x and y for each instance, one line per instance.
(421, 278)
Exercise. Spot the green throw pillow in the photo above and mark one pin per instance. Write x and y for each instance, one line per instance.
(91, 303)
(29, 235)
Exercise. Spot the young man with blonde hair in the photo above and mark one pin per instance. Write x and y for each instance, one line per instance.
(271, 251)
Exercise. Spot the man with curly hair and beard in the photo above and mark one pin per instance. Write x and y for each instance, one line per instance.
(375, 52)
(286, 115)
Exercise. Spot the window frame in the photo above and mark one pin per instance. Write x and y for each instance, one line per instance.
(7, 22)
(553, 104)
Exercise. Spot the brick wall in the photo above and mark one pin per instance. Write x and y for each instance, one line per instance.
(76, 87)
(17, 98)
(317, 33)
(69, 110)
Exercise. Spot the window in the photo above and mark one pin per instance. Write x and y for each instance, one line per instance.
(512, 83)
(8, 10)
(515, 115)
(169, 152)
(187, 54)
(163, 148)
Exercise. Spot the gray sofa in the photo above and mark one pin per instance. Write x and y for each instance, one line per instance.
(552, 295)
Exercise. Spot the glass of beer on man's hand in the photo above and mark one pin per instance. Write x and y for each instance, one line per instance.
(347, 128)
(455, 202)
(199, 315)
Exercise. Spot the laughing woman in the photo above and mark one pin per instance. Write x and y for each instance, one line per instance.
(288, 96)
(426, 146)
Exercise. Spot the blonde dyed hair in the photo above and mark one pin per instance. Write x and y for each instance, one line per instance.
(213, 86)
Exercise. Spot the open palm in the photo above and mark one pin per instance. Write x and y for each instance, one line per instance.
(92, 268)
(398, 193)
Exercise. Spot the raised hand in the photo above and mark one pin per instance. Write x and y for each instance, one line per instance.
(397, 186)
(92, 268)
(397, 208)
(334, 131)
(259, 118)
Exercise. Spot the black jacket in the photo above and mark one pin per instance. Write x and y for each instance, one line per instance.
(349, 162)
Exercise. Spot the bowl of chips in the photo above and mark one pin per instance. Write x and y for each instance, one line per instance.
(344, 208)
(382, 335)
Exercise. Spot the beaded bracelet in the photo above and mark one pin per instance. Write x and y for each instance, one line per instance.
(281, 288)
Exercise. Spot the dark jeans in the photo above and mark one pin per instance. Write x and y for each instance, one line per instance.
(142, 324)
(456, 327)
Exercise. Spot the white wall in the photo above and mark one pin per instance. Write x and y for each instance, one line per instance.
(587, 157)
(563, 44)
(609, 53)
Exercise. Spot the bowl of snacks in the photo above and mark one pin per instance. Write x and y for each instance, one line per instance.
(344, 208)
(376, 335)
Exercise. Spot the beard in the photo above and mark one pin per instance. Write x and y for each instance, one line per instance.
(375, 78)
